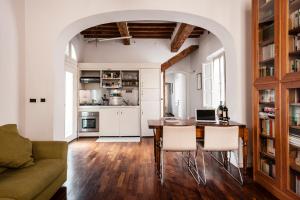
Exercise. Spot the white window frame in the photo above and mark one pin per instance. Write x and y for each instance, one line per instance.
(208, 91)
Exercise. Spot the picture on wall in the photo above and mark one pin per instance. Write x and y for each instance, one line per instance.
(199, 81)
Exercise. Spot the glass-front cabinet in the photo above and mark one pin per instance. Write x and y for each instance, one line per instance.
(267, 132)
(293, 135)
(266, 59)
(291, 39)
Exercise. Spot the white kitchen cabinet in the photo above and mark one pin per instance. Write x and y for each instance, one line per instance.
(150, 94)
(120, 121)
(109, 122)
(149, 110)
(150, 78)
(129, 122)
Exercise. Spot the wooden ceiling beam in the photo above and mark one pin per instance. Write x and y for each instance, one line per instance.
(178, 57)
(152, 37)
(102, 36)
(150, 30)
(145, 25)
(124, 32)
(181, 35)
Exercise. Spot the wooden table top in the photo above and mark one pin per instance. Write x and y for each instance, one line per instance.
(189, 122)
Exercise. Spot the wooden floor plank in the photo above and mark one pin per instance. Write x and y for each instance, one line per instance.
(127, 171)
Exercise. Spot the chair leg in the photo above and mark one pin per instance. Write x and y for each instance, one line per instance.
(216, 159)
(237, 161)
(162, 167)
(241, 178)
(189, 159)
(199, 178)
(204, 171)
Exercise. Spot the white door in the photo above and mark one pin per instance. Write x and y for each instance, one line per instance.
(150, 78)
(129, 122)
(109, 122)
(149, 110)
(180, 95)
(70, 104)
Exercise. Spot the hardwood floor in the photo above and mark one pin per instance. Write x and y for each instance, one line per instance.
(127, 171)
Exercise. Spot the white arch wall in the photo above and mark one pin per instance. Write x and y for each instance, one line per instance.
(50, 24)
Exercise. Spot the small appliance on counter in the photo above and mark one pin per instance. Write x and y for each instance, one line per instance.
(115, 98)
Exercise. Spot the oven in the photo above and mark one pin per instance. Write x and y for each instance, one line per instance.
(88, 121)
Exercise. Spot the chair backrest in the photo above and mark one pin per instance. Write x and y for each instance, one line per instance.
(179, 138)
(221, 138)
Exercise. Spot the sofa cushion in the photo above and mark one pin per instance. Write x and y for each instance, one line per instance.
(27, 183)
(15, 151)
(2, 169)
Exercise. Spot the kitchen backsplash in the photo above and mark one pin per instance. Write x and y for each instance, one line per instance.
(95, 96)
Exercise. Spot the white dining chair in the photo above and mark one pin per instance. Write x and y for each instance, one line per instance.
(181, 139)
(221, 139)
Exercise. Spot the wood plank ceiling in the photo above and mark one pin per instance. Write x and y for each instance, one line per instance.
(152, 30)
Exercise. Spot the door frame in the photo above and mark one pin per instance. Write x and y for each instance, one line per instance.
(71, 66)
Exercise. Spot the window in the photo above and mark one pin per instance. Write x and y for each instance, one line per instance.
(214, 80)
(70, 51)
(73, 52)
(67, 50)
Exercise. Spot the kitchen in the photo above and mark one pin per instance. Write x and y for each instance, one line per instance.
(117, 99)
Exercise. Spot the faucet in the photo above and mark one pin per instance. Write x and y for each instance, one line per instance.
(126, 102)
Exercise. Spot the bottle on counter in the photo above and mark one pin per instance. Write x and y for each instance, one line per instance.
(225, 113)
(220, 111)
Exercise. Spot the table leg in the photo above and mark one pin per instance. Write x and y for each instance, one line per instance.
(154, 145)
(157, 137)
(245, 150)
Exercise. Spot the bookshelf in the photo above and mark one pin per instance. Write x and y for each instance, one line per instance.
(276, 96)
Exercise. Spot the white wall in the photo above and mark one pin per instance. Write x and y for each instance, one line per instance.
(208, 44)
(12, 62)
(53, 23)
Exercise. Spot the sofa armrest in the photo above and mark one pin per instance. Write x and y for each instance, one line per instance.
(49, 150)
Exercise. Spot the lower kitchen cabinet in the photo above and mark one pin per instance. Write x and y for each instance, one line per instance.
(120, 121)
(129, 122)
(109, 122)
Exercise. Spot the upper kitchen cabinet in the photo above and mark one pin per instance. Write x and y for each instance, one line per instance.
(130, 79)
(89, 79)
(266, 40)
(150, 78)
(291, 40)
(111, 79)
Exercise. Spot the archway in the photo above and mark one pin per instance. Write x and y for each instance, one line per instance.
(128, 15)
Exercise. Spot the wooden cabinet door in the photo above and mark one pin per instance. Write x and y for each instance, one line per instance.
(129, 122)
(109, 122)
(149, 110)
(150, 78)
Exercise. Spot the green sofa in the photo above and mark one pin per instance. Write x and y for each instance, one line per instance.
(41, 180)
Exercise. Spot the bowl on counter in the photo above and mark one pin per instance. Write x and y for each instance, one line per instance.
(116, 101)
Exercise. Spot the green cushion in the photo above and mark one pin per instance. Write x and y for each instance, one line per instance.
(2, 169)
(15, 151)
(29, 182)
(10, 128)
